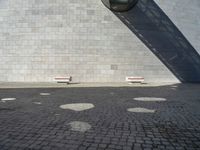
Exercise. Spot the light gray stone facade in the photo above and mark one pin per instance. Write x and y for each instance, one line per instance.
(41, 39)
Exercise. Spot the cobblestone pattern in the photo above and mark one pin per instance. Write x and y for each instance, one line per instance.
(43, 39)
(174, 125)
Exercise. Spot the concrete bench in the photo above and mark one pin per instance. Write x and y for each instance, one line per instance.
(63, 79)
(132, 79)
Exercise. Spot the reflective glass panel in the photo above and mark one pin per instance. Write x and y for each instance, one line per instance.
(119, 5)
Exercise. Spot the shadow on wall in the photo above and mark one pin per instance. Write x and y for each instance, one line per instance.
(153, 27)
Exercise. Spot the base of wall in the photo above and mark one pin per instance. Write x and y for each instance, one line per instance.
(4, 85)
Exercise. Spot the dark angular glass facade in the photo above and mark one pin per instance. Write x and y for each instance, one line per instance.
(119, 5)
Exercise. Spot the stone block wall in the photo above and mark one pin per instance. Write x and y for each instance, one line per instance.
(41, 39)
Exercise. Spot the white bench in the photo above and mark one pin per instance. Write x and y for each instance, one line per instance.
(63, 79)
(133, 79)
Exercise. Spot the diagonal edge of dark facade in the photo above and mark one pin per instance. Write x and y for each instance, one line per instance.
(154, 28)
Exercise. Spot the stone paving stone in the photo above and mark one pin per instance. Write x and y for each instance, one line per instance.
(175, 125)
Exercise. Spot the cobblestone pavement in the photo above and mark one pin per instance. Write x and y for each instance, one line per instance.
(40, 119)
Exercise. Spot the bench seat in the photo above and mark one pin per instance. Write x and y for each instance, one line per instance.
(133, 79)
(63, 79)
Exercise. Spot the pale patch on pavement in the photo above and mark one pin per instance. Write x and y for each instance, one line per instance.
(150, 99)
(77, 106)
(112, 93)
(141, 110)
(8, 99)
(45, 94)
(79, 126)
(37, 103)
(174, 86)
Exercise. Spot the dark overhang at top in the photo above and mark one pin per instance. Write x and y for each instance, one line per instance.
(119, 5)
